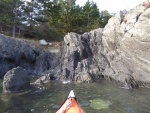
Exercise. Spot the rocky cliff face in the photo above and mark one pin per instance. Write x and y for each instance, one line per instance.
(120, 51)
(127, 46)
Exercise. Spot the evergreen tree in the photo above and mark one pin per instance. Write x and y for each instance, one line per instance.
(104, 17)
(30, 12)
(77, 19)
(66, 14)
(9, 14)
(90, 16)
(58, 15)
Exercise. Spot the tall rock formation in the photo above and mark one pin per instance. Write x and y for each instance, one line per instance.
(120, 51)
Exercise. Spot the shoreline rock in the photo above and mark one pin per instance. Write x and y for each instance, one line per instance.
(16, 80)
(120, 52)
(17, 52)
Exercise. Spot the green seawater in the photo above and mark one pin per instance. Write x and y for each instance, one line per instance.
(98, 97)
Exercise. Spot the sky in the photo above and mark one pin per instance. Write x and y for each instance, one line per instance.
(113, 6)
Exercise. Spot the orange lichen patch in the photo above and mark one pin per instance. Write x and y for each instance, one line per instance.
(125, 21)
(146, 5)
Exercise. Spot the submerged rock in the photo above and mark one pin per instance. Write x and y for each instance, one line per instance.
(99, 104)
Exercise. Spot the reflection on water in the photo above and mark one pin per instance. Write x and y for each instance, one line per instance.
(47, 98)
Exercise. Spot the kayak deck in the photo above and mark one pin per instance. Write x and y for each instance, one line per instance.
(70, 105)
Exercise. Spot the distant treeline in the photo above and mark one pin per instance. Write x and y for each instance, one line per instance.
(49, 19)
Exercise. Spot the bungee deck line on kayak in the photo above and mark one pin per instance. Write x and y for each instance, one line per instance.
(70, 105)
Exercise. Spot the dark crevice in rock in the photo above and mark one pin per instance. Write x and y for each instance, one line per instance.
(68, 44)
(9, 60)
(105, 59)
(137, 17)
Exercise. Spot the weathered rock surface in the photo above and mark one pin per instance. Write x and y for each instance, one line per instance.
(15, 80)
(120, 51)
(83, 60)
(127, 46)
(17, 52)
(44, 79)
(79, 56)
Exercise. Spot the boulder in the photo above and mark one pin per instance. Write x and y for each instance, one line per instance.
(43, 42)
(16, 80)
(44, 79)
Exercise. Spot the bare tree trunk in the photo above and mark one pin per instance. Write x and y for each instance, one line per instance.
(14, 23)
(14, 28)
(19, 32)
(1, 28)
